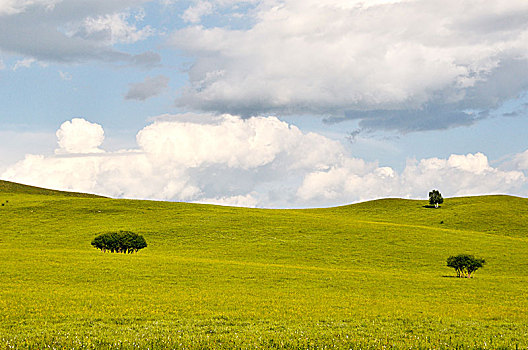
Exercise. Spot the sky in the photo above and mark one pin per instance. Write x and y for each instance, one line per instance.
(265, 103)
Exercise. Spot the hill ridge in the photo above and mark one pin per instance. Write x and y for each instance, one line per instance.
(15, 187)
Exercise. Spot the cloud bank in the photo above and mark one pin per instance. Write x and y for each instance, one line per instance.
(393, 65)
(258, 161)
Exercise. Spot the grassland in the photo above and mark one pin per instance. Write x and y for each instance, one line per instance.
(369, 275)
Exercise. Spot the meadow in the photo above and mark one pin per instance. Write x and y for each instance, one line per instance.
(371, 275)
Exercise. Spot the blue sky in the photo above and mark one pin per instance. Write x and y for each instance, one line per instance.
(267, 103)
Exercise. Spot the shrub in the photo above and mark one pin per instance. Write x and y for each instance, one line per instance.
(119, 242)
(464, 264)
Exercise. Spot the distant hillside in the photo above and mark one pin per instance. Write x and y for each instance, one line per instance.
(13, 187)
(493, 214)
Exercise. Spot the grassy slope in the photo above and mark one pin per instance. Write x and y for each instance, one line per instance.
(369, 275)
(16, 188)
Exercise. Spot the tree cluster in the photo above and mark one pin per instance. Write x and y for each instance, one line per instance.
(119, 242)
(464, 264)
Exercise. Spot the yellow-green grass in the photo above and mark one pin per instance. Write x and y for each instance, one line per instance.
(369, 275)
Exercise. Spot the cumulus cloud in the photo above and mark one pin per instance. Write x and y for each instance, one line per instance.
(110, 28)
(79, 136)
(258, 161)
(206, 158)
(195, 12)
(234, 143)
(472, 173)
(457, 175)
(197, 9)
(150, 87)
(399, 65)
(70, 31)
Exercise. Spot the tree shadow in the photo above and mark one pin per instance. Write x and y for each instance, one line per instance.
(431, 206)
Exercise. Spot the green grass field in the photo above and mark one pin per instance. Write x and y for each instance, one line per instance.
(369, 275)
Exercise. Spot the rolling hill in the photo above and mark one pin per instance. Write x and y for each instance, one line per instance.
(16, 188)
(368, 275)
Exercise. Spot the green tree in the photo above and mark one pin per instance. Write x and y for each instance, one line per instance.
(435, 198)
(119, 242)
(473, 265)
(456, 263)
(464, 264)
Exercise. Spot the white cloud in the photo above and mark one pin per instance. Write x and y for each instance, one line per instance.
(247, 201)
(436, 59)
(79, 136)
(24, 63)
(458, 175)
(206, 158)
(74, 31)
(194, 13)
(462, 175)
(230, 141)
(11, 7)
(168, 2)
(111, 28)
(260, 161)
(520, 161)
